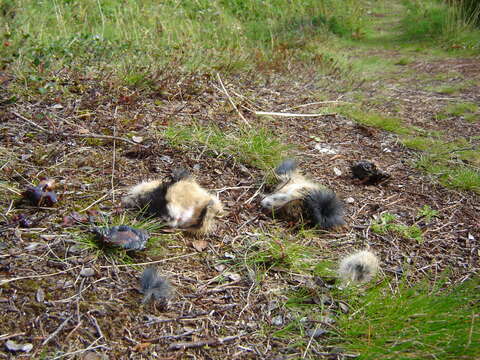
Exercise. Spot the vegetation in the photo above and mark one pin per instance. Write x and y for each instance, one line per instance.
(419, 322)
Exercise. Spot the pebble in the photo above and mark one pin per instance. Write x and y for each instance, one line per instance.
(315, 333)
(87, 272)
(349, 200)
(277, 320)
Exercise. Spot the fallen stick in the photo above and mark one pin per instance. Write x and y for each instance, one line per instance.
(55, 333)
(291, 114)
(92, 136)
(198, 344)
(6, 281)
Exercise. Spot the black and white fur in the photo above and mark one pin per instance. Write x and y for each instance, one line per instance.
(181, 202)
(298, 197)
(358, 267)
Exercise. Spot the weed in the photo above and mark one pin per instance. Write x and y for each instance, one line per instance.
(427, 213)
(460, 109)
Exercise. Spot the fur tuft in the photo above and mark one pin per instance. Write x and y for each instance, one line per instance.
(361, 266)
(286, 168)
(324, 209)
(154, 286)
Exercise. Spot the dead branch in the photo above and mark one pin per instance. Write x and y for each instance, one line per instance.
(198, 344)
(70, 135)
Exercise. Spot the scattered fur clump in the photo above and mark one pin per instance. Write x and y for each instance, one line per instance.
(155, 287)
(299, 198)
(368, 173)
(360, 266)
(180, 202)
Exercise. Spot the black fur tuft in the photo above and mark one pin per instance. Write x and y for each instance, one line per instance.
(286, 167)
(323, 209)
(179, 174)
(155, 201)
(152, 285)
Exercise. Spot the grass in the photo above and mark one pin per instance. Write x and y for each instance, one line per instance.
(133, 39)
(256, 146)
(436, 21)
(467, 110)
(387, 222)
(419, 322)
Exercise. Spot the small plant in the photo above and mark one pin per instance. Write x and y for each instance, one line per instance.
(427, 213)
(386, 222)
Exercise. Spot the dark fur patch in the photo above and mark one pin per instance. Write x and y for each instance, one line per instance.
(154, 202)
(286, 167)
(323, 209)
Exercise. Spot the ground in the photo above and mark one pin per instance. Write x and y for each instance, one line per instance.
(233, 288)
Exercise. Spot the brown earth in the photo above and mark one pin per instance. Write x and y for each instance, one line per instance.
(218, 295)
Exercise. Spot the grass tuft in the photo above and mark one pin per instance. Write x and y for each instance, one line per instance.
(257, 147)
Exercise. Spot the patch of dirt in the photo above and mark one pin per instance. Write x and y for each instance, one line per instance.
(240, 314)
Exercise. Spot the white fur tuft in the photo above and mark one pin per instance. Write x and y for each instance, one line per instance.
(361, 266)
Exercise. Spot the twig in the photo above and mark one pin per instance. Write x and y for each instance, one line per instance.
(7, 336)
(318, 103)
(55, 333)
(99, 330)
(6, 281)
(147, 263)
(291, 114)
(231, 101)
(94, 203)
(90, 347)
(197, 344)
(67, 135)
(114, 151)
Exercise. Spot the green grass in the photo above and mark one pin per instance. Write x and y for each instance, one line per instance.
(257, 147)
(467, 110)
(134, 40)
(435, 21)
(422, 322)
(388, 222)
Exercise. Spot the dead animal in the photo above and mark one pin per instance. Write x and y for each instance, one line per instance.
(368, 173)
(180, 202)
(42, 194)
(299, 198)
(123, 236)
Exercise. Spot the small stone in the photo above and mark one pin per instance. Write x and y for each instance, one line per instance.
(327, 319)
(233, 276)
(350, 200)
(220, 267)
(277, 320)
(86, 272)
(337, 171)
(3, 245)
(40, 296)
(75, 249)
(324, 150)
(13, 346)
(343, 307)
(137, 139)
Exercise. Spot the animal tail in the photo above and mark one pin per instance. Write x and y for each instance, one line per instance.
(154, 286)
(324, 209)
(360, 266)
